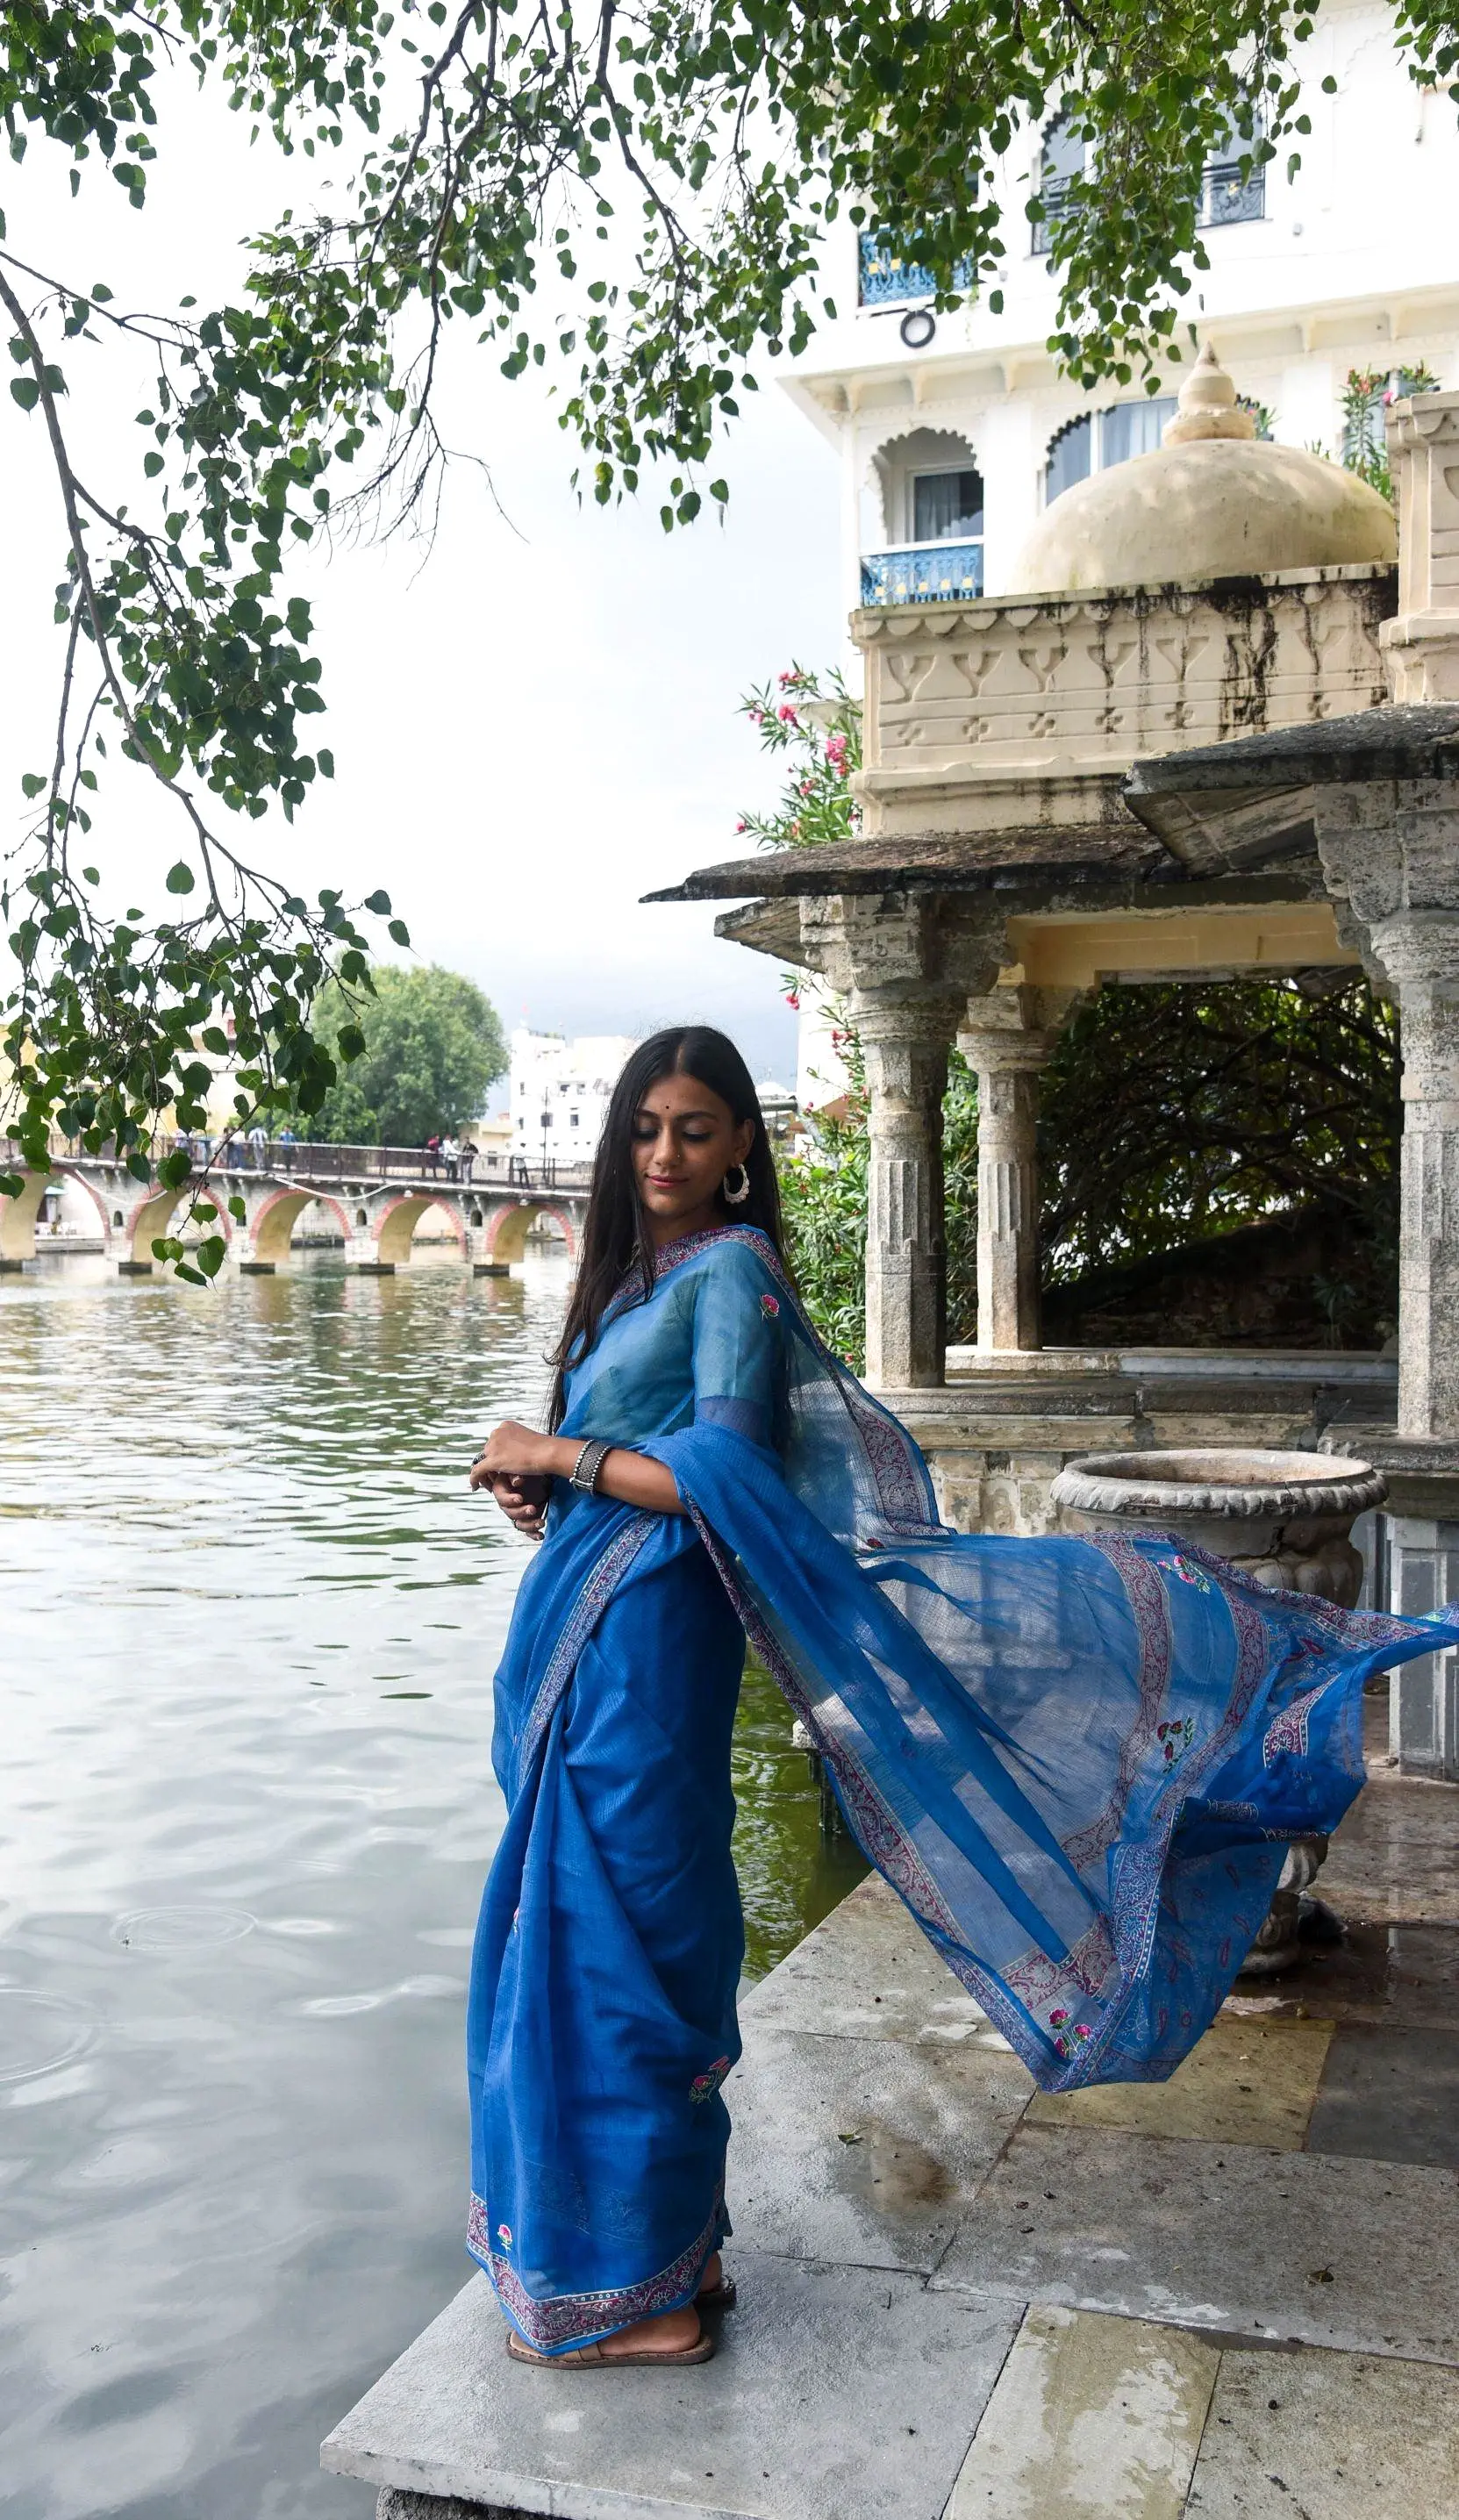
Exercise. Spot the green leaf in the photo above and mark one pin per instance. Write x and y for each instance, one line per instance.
(180, 876)
(398, 932)
(27, 391)
(378, 903)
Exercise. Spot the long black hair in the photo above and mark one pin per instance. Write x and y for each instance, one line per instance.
(616, 1240)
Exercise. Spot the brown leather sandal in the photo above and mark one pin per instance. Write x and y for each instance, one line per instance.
(717, 2296)
(592, 2358)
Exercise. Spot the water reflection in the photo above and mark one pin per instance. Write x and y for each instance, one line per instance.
(251, 1616)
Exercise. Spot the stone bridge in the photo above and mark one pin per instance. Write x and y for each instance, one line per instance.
(376, 1198)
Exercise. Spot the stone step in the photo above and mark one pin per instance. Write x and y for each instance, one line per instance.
(926, 2251)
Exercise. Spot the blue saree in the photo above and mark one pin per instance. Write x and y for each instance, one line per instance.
(1079, 1762)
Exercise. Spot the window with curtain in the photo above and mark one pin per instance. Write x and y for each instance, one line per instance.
(1226, 196)
(1071, 457)
(947, 506)
(1134, 429)
(1062, 159)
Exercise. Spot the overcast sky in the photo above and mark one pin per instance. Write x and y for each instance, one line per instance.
(534, 723)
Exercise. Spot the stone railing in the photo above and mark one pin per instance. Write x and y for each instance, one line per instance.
(887, 279)
(923, 574)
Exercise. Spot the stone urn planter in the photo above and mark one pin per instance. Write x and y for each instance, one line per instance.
(1285, 1519)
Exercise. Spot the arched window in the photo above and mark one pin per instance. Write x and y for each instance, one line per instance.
(1098, 439)
(928, 490)
(1227, 195)
(1061, 158)
(1071, 457)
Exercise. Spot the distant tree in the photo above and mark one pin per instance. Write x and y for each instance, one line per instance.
(432, 1045)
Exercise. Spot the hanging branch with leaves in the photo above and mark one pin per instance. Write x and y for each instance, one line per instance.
(732, 135)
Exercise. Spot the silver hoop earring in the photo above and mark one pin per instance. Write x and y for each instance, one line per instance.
(737, 1197)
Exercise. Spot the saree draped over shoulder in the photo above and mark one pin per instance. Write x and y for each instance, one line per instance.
(1078, 1761)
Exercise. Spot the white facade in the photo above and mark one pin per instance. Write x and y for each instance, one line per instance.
(1353, 264)
(559, 1093)
(950, 447)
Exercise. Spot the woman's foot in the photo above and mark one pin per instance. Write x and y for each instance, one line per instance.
(671, 2333)
(672, 2329)
(716, 2288)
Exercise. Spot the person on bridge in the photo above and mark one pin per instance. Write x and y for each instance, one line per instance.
(451, 1158)
(259, 1146)
(1078, 1761)
(468, 1154)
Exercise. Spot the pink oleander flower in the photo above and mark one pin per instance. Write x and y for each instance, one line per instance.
(739, 826)
(792, 999)
(808, 788)
(787, 715)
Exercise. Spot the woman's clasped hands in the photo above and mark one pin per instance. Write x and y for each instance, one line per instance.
(518, 1464)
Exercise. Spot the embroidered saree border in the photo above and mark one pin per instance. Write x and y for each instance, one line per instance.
(602, 1582)
(572, 2318)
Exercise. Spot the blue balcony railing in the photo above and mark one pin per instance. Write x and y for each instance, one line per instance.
(923, 574)
(887, 279)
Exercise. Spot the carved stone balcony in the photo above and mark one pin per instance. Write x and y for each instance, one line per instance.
(1030, 711)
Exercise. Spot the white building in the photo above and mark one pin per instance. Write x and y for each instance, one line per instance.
(954, 431)
(559, 1093)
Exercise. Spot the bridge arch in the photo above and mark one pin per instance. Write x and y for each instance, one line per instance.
(18, 1215)
(508, 1232)
(273, 1220)
(395, 1229)
(107, 1217)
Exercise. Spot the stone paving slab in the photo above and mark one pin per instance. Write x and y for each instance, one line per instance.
(1246, 2082)
(869, 1972)
(1329, 2436)
(1091, 2415)
(1389, 2095)
(1405, 1975)
(1395, 1859)
(867, 2151)
(1295, 2246)
(836, 2394)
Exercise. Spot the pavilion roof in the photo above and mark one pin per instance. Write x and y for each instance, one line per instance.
(1222, 806)
(944, 861)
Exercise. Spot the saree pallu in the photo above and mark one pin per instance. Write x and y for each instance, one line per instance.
(1079, 1762)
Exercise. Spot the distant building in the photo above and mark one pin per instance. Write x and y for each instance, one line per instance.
(559, 1093)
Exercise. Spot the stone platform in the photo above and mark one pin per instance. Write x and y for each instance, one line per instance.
(1234, 2295)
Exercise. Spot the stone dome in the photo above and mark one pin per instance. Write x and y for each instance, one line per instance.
(1213, 501)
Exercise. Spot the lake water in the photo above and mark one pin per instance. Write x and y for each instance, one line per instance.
(249, 1619)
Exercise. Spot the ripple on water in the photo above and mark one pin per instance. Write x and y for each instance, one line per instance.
(182, 1929)
(40, 2032)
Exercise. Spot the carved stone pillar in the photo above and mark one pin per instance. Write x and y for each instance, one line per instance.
(1420, 952)
(1007, 1038)
(1390, 853)
(1421, 647)
(906, 1046)
(903, 963)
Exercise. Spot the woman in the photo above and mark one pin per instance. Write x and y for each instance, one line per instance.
(1078, 1761)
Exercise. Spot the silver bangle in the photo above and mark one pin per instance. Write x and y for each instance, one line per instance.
(583, 1472)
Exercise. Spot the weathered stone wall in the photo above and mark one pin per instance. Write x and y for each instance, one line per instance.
(1028, 713)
